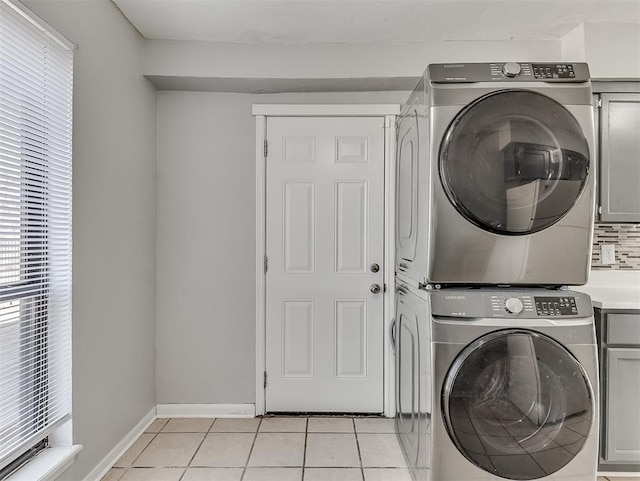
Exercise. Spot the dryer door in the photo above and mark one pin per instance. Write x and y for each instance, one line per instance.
(514, 162)
(517, 404)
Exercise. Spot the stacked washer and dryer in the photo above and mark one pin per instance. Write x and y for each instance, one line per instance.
(496, 364)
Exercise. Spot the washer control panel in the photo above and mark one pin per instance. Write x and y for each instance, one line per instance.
(509, 303)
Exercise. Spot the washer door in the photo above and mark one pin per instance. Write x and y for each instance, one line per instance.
(517, 404)
(514, 162)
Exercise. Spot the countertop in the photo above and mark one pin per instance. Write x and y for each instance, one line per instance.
(613, 289)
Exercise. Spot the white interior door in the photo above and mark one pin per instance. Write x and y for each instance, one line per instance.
(324, 230)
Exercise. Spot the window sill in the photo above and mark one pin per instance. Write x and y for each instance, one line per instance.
(48, 464)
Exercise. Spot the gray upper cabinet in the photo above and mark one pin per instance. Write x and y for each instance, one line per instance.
(619, 137)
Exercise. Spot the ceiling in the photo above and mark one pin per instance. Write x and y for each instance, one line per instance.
(364, 21)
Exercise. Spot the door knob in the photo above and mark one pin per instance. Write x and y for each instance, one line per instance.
(374, 267)
(375, 288)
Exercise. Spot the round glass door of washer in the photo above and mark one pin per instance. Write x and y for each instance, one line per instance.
(517, 404)
(514, 162)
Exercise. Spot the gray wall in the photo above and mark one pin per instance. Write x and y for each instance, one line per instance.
(206, 242)
(206, 231)
(612, 49)
(114, 226)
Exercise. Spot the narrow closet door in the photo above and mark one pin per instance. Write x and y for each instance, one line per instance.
(324, 244)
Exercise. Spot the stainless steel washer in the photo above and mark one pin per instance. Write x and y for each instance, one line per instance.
(495, 175)
(414, 382)
(510, 391)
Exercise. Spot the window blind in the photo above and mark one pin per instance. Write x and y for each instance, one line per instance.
(36, 74)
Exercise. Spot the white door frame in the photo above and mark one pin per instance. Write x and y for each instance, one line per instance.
(389, 113)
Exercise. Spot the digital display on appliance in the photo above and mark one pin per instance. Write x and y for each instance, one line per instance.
(556, 306)
(553, 70)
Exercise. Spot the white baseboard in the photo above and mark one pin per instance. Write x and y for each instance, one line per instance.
(206, 410)
(116, 453)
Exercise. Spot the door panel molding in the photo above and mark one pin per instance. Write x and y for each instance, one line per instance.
(350, 322)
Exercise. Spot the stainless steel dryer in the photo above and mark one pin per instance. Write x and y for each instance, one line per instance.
(509, 390)
(495, 175)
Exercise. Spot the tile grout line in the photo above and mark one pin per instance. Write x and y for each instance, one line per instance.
(355, 432)
(255, 438)
(197, 449)
(155, 435)
(304, 450)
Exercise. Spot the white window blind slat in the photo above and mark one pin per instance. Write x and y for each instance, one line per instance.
(36, 77)
(12, 118)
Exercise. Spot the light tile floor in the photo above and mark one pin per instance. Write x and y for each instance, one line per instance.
(267, 449)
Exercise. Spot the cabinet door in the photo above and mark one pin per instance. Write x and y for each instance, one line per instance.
(623, 397)
(620, 157)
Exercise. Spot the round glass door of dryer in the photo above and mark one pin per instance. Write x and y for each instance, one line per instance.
(517, 404)
(514, 162)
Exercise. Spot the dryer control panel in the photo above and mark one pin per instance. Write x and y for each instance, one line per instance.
(553, 70)
(509, 303)
(508, 72)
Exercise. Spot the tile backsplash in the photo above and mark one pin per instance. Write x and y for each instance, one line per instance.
(626, 238)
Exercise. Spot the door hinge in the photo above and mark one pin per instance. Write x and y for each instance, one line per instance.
(599, 210)
(599, 104)
(265, 379)
(266, 263)
(266, 149)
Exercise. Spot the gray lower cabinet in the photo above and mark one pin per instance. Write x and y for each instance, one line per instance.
(619, 338)
(623, 412)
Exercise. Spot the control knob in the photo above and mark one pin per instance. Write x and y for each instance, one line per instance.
(513, 305)
(511, 69)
